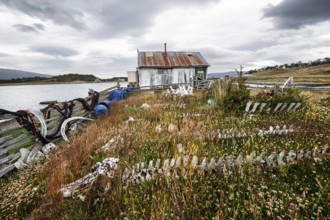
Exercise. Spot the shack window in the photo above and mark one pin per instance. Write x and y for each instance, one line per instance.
(164, 71)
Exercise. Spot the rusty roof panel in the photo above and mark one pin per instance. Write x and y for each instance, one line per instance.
(171, 59)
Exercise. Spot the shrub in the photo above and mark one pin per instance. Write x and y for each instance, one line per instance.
(278, 95)
(231, 94)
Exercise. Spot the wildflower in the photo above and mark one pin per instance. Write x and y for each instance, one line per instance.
(159, 129)
(130, 119)
(180, 148)
(145, 106)
(172, 127)
(194, 162)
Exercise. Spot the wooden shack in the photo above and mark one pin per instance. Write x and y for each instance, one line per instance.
(164, 68)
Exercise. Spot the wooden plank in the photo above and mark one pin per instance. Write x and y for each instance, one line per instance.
(8, 144)
(297, 106)
(10, 158)
(6, 138)
(262, 106)
(53, 123)
(19, 138)
(277, 107)
(283, 106)
(11, 129)
(6, 170)
(51, 119)
(291, 106)
(248, 105)
(255, 106)
(15, 146)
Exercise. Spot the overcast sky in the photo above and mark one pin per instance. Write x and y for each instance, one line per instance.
(101, 37)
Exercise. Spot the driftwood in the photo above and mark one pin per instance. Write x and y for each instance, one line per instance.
(6, 170)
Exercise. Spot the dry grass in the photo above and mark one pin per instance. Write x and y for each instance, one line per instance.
(317, 74)
(298, 191)
(21, 193)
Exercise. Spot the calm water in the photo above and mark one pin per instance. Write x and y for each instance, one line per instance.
(14, 98)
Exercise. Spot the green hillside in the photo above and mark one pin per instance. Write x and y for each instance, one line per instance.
(317, 74)
(67, 78)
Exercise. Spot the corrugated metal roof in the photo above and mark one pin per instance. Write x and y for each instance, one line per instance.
(171, 59)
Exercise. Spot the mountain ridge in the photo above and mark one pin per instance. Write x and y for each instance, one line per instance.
(7, 74)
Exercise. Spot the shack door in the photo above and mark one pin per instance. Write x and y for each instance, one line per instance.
(201, 73)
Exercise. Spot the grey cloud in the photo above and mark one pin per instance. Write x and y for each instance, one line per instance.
(294, 14)
(49, 65)
(282, 59)
(39, 26)
(57, 51)
(135, 17)
(3, 55)
(116, 17)
(228, 59)
(61, 14)
(214, 56)
(25, 28)
(256, 45)
(34, 28)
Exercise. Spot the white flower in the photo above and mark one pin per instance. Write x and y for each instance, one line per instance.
(130, 119)
(145, 106)
(159, 129)
(194, 162)
(180, 148)
(172, 127)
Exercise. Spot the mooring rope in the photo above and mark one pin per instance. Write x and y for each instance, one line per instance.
(95, 99)
(27, 119)
(84, 103)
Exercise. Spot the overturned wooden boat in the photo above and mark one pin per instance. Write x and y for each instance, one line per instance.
(48, 102)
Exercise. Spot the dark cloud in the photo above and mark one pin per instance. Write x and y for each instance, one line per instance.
(34, 28)
(59, 13)
(114, 17)
(57, 51)
(294, 14)
(133, 17)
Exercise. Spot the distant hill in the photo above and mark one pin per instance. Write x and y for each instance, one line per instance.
(116, 79)
(316, 74)
(221, 75)
(7, 74)
(67, 78)
(73, 77)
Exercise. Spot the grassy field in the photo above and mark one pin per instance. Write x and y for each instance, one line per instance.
(317, 74)
(296, 191)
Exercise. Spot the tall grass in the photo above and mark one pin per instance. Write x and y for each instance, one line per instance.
(297, 191)
(231, 95)
(220, 90)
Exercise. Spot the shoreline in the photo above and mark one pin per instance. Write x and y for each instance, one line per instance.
(54, 83)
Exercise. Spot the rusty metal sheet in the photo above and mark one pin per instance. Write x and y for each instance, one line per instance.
(171, 59)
